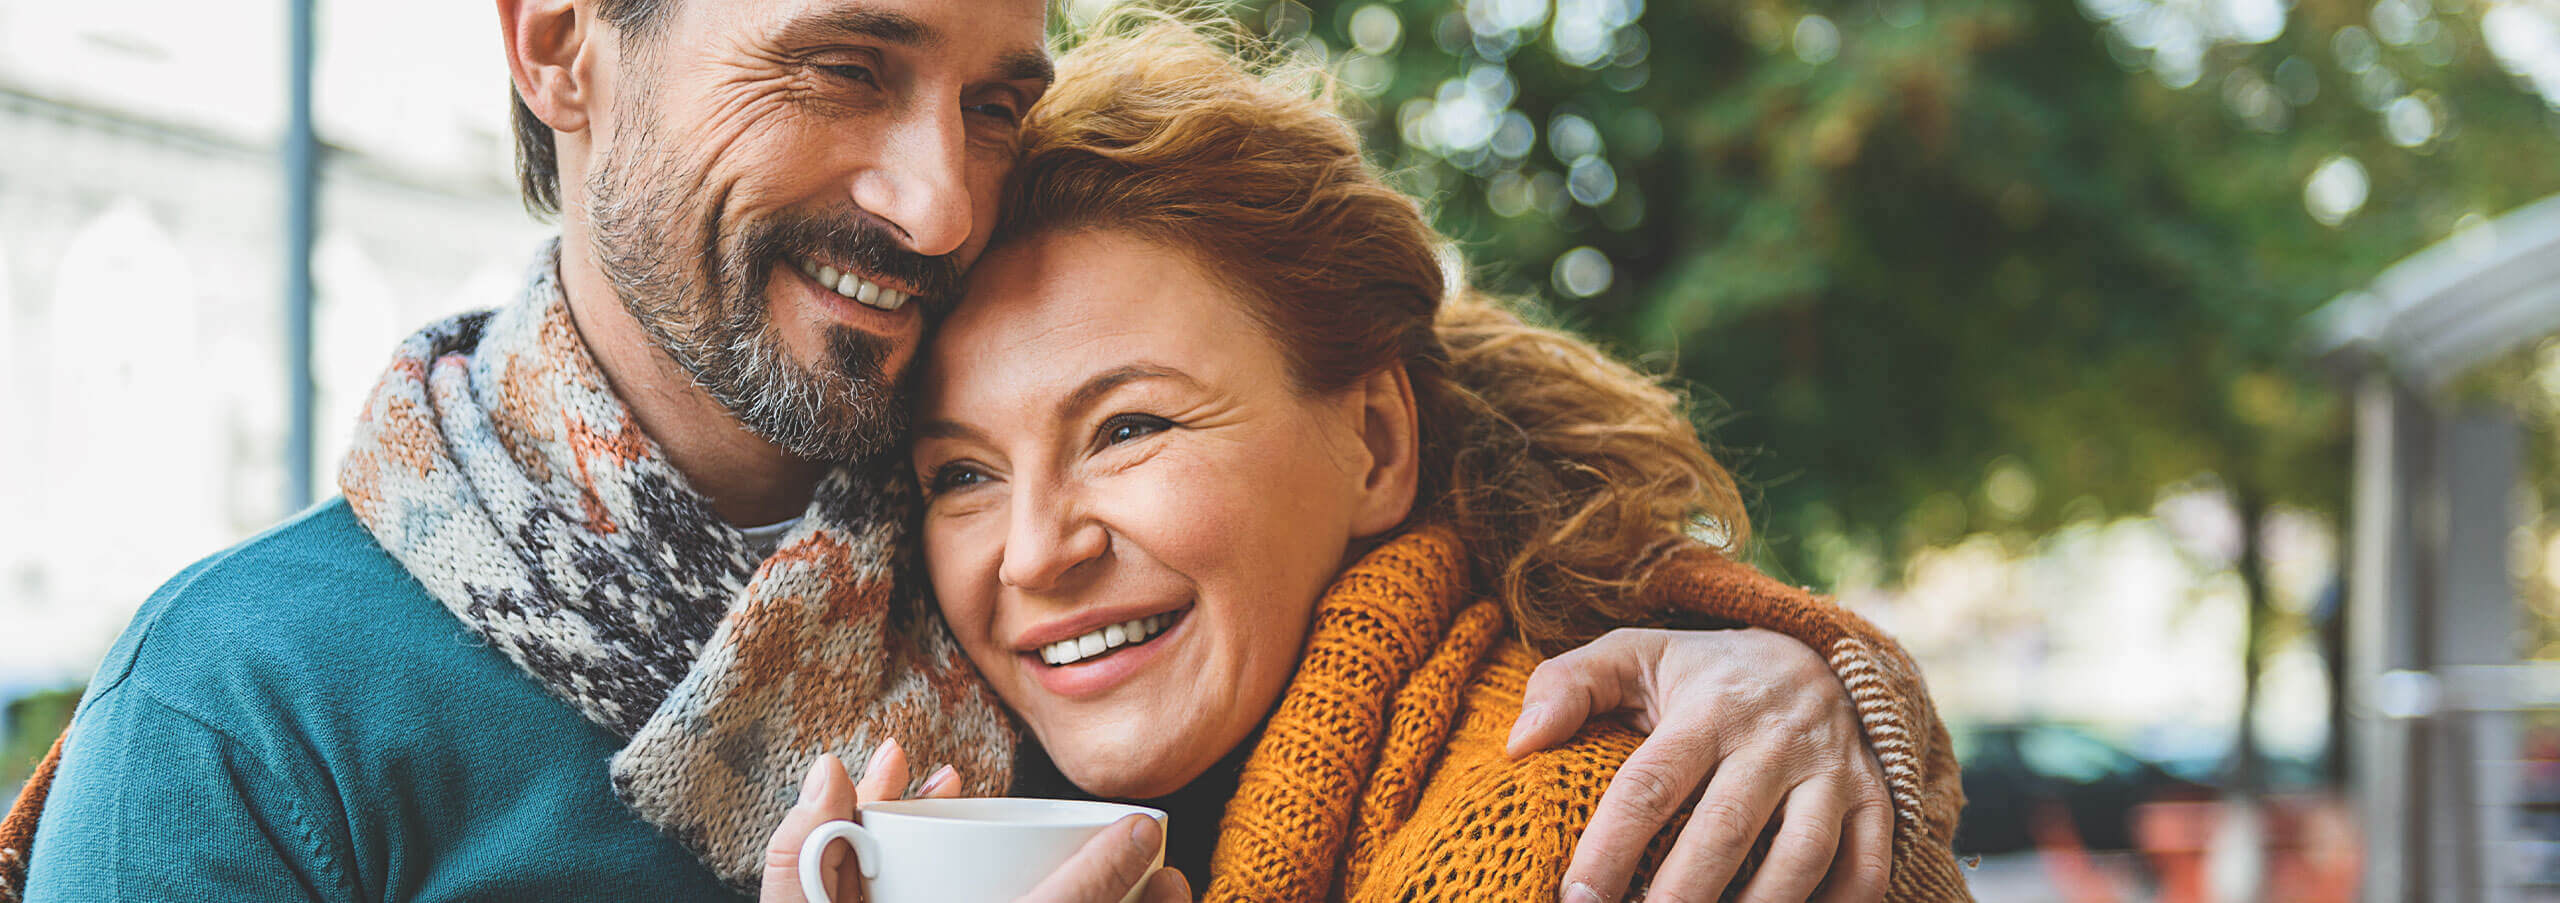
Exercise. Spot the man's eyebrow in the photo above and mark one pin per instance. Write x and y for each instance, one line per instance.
(1091, 393)
(883, 25)
(1026, 65)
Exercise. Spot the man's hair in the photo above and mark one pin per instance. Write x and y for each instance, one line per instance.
(537, 159)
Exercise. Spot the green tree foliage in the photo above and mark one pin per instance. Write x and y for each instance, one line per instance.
(32, 722)
(1962, 266)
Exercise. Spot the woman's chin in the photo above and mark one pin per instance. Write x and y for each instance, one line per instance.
(1127, 774)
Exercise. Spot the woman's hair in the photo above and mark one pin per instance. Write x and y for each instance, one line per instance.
(1561, 469)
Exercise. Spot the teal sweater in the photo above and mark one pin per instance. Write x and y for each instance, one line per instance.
(294, 719)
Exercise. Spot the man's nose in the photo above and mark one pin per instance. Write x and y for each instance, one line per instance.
(919, 182)
(1048, 539)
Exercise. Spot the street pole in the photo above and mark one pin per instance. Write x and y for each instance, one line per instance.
(301, 211)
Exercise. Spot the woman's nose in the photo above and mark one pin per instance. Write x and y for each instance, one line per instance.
(1047, 543)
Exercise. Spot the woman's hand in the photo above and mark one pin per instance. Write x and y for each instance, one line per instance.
(1759, 713)
(1102, 871)
(826, 795)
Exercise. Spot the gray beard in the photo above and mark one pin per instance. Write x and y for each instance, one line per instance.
(700, 296)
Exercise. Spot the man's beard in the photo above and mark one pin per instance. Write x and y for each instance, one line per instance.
(697, 286)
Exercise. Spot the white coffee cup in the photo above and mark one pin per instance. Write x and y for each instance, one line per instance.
(962, 850)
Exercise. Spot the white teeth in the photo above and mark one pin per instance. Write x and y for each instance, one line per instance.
(845, 283)
(1105, 639)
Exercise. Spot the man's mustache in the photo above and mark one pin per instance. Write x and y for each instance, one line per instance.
(870, 247)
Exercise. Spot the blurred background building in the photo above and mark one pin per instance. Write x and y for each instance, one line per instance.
(2177, 378)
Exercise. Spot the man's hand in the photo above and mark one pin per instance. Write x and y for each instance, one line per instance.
(1102, 871)
(1761, 722)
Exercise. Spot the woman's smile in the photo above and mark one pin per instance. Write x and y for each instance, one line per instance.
(1107, 657)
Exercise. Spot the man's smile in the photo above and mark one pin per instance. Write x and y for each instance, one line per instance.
(849, 285)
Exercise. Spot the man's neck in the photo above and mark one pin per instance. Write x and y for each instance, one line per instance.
(748, 480)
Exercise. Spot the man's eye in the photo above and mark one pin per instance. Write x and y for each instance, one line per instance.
(1129, 427)
(999, 112)
(860, 74)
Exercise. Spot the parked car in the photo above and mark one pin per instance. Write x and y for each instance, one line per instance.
(2012, 771)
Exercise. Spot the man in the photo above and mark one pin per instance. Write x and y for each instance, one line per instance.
(616, 560)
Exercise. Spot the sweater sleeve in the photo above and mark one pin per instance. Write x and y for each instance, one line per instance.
(1900, 721)
(150, 803)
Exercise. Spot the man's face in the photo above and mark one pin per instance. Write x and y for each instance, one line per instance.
(785, 192)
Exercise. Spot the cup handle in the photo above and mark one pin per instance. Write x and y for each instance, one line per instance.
(866, 854)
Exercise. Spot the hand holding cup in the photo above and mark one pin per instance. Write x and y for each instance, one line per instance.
(940, 847)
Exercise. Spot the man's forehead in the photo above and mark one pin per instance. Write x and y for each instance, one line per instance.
(1007, 32)
(924, 24)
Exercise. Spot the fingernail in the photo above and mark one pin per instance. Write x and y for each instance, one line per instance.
(1529, 718)
(944, 775)
(817, 778)
(1579, 892)
(1145, 835)
(879, 756)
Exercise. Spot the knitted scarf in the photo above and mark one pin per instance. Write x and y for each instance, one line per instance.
(497, 466)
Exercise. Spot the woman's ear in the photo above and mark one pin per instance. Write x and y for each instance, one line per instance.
(1391, 432)
(547, 55)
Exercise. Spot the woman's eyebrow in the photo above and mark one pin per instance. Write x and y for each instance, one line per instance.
(949, 429)
(1093, 390)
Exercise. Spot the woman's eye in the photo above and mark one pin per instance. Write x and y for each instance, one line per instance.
(1126, 427)
(954, 476)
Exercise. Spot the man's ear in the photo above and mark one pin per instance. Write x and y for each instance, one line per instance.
(1390, 429)
(548, 56)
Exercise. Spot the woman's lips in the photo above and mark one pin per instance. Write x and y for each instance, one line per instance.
(1092, 675)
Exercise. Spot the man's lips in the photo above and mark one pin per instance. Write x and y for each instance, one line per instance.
(867, 289)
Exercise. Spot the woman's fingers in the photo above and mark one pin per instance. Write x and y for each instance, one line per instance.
(1865, 864)
(1647, 792)
(944, 784)
(885, 778)
(1803, 851)
(1167, 886)
(1107, 866)
(1727, 821)
(826, 794)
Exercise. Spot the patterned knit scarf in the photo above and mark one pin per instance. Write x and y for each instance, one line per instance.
(496, 465)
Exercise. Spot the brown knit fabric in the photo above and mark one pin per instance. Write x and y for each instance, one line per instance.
(1381, 773)
(18, 831)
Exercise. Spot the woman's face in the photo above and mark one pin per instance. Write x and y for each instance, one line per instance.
(1130, 509)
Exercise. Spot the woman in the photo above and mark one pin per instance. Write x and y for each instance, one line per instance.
(1243, 511)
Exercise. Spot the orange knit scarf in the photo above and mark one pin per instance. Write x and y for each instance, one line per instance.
(1381, 773)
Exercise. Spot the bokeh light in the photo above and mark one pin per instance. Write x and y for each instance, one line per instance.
(1583, 272)
(2336, 190)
